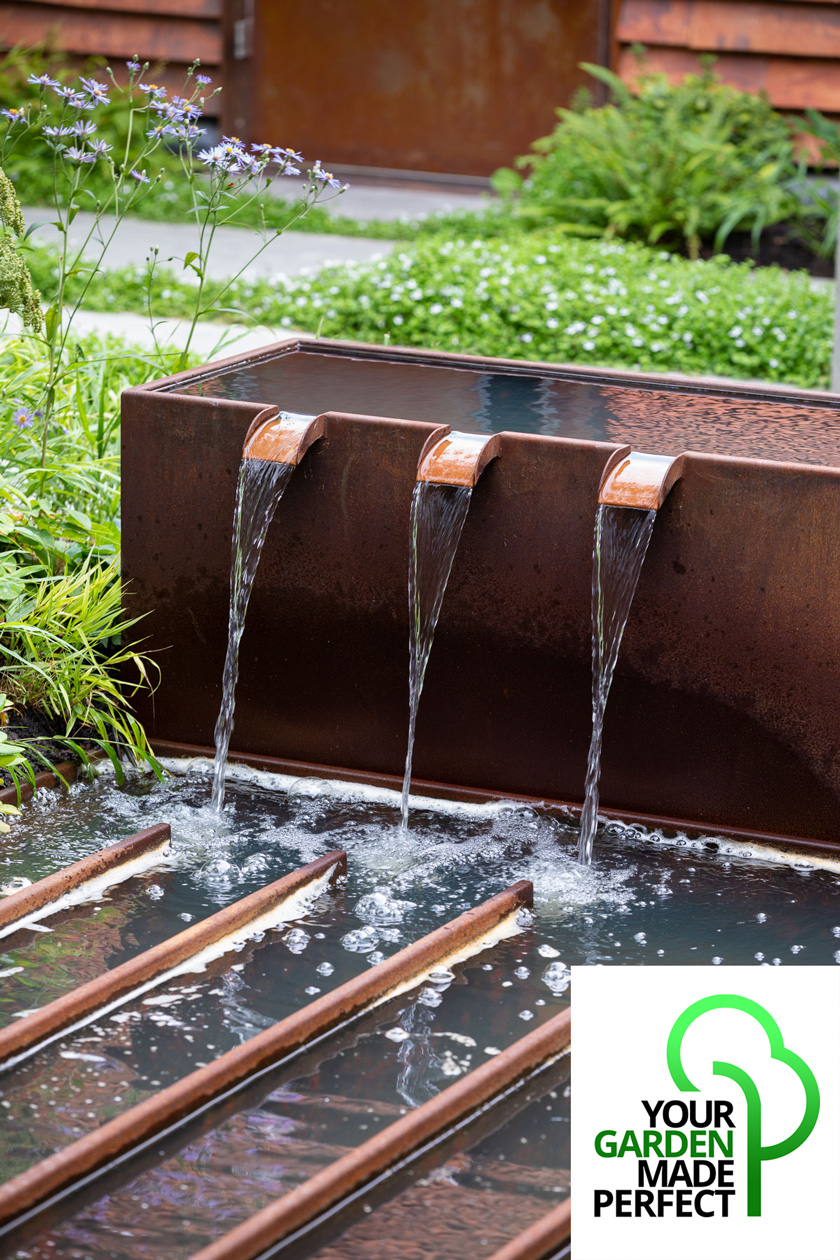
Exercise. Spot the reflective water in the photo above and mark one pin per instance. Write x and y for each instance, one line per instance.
(666, 416)
(437, 518)
(259, 489)
(622, 536)
(651, 899)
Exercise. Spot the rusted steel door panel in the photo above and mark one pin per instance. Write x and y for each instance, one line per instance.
(805, 30)
(460, 86)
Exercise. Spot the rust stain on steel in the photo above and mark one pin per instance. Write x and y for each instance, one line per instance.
(392, 1145)
(65, 772)
(120, 983)
(166, 1108)
(282, 439)
(22, 905)
(458, 459)
(543, 1238)
(639, 480)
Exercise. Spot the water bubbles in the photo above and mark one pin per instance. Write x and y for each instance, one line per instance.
(759, 957)
(325, 969)
(835, 931)
(548, 951)
(777, 962)
(796, 949)
(429, 997)
(558, 977)
(522, 973)
(256, 864)
(297, 940)
(397, 1034)
(17, 882)
(375, 958)
(837, 956)
(312, 989)
(361, 940)
(380, 908)
(390, 934)
(641, 938)
(186, 916)
(717, 960)
(441, 977)
(526, 1015)
(761, 917)
(524, 918)
(491, 1050)
(310, 787)
(154, 891)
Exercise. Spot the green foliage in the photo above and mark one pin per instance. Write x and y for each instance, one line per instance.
(545, 296)
(817, 226)
(16, 292)
(61, 652)
(13, 761)
(679, 164)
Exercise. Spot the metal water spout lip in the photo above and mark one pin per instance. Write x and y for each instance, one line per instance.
(458, 459)
(637, 479)
(281, 437)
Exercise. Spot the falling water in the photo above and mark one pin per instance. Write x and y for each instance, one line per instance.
(437, 517)
(621, 542)
(258, 491)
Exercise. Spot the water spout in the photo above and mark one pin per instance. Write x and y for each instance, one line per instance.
(273, 447)
(634, 486)
(446, 474)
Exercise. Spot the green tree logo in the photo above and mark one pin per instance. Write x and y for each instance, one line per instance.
(756, 1152)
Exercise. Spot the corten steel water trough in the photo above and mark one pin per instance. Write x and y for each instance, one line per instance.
(723, 714)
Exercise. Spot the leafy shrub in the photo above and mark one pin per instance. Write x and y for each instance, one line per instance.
(673, 163)
(817, 225)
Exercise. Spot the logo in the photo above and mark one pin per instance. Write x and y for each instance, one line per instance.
(757, 1153)
(705, 1115)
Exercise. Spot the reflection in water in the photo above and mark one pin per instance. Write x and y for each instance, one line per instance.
(621, 542)
(437, 518)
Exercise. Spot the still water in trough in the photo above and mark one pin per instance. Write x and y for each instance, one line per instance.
(651, 899)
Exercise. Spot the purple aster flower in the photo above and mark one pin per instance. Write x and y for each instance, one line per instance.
(188, 131)
(66, 92)
(286, 155)
(133, 66)
(203, 79)
(160, 130)
(153, 89)
(263, 149)
(99, 91)
(14, 115)
(247, 163)
(43, 80)
(99, 148)
(83, 128)
(233, 140)
(78, 155)
(291, 170)
(55, 133)
(325, 178)
(23, 417)
(140, 176)
(214, 158)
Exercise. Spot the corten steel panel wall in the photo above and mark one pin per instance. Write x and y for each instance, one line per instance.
(787, 48)
(459, 86)
(723, 710)
(174, 32)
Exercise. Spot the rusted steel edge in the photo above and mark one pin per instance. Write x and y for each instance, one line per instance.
(400, 1141)
(792, 846)
(170, 1107)
(637, 479)
(543, 1239)
(457, 459)
(69, 885)
(64, 772)
(189, 950)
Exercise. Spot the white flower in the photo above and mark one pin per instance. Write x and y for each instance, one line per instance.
(527, 337)
(589, 345)
(575, 328)
(398, 319)
(736, 331)
(436, 309)
(687, 338)
(551, 323)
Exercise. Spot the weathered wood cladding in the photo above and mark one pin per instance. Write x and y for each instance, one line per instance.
(173, 32)
(787, 48)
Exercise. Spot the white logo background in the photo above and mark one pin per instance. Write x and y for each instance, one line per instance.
(622, 1018)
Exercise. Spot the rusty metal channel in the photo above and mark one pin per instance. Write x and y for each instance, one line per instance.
(395, 1144)
(141, 973)
(97, 871)
(543, 1239)
(721, 712)
(207, 1086)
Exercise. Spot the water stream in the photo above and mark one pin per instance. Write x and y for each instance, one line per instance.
(621, 542)
(438, 513)
(259, 489)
